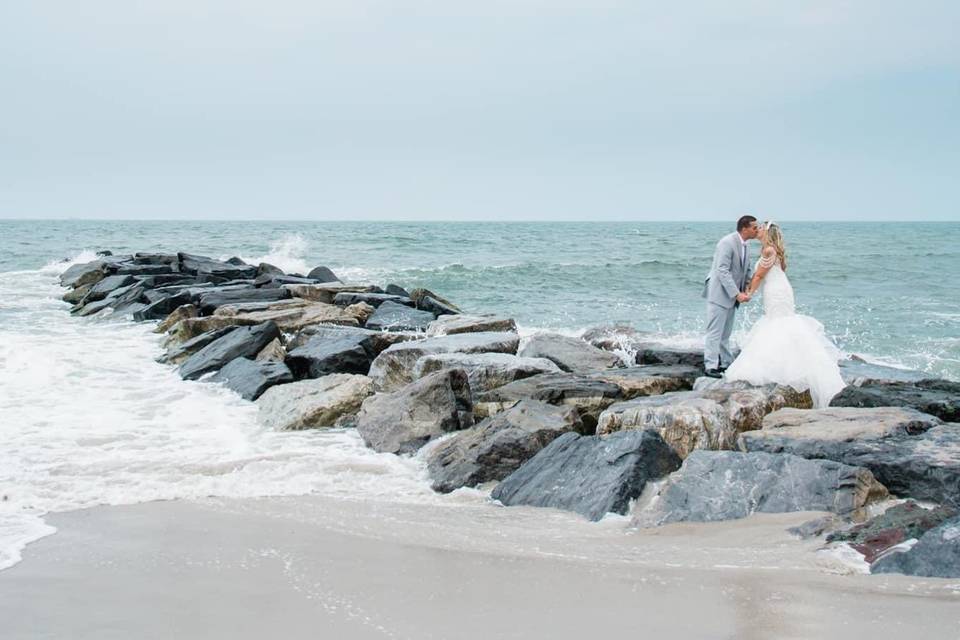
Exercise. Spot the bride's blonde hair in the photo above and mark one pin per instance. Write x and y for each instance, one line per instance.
(775, 239)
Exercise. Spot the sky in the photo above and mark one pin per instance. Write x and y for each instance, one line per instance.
(493, 110)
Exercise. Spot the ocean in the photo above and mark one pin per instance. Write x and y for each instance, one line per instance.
(88, 417)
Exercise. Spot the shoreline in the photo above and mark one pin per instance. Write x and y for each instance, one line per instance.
(363, 569)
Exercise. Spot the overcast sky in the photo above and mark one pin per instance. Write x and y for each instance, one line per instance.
(500, 109)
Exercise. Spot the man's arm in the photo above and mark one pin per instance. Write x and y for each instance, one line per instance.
(723, 271)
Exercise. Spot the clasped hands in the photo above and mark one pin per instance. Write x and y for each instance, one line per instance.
(743, 297)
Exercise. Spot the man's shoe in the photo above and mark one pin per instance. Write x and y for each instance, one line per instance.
(713, 373)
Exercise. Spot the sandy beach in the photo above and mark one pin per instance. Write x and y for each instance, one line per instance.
(316, 567)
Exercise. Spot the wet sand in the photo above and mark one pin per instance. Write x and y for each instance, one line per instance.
(322, 568)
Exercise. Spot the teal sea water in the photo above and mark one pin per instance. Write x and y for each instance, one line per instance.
(886, 291)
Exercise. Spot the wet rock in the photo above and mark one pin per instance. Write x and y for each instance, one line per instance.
(392, 316)
(453, 324)
(108, 285)
(267, 269)
(250, 378)
(202, 265)
(179, 353)
(379, 341)
(76, 296)
(649, 380)
(570, 354)
(119, 301)
(394, 368)
(396, 290)
(241, 342)
(940, 398)
(404, 421)
(615, 337)
(90, 273)
(427, 300)
(497, 446)
(323, 274)
(211, 301)
(726, 485)
(125, 269)
(325, 293)
(894, 526)
(486, 370)
(162, 308)
(588, 395)
(936, 554)
(361, 311)
(275, 281)
(344, 299)
(817, 527)
(274, 352)
(165, 259)
(659, 354)
(321, 355)
(313, 404)
(589, 475)
(166, 280)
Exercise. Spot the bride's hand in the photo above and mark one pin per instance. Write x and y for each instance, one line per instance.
(743, 297)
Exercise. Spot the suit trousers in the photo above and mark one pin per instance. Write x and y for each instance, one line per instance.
(716, 351)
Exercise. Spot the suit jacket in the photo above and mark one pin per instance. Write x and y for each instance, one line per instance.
(730, 272)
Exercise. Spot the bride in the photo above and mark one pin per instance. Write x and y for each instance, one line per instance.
(783, 346)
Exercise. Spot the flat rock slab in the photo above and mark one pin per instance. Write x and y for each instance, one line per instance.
(570, 354)
(940, 398)
(393, 316)
(659, 354)
(650, 380)
(287, 319)
(497, 446)
(344, 299)
(897, 524)
(486, 371)
(936, 554)
(313, 404)
(176, 354)
(211, 301)
(87, 273)
(251, 378)
(394, 368)
(453, 324)
(203, 265)
(905, 449)
(324, 354)
(404, 421)
(589, 475)
(241, 342)
(726, 485)
(105, 287)
(588, 395)
(379, 341)
(326, 292)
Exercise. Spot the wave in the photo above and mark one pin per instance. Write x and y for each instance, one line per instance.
(288, 253)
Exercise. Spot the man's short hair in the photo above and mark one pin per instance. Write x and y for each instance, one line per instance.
(744, 222)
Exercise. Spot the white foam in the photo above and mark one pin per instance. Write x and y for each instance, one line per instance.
(288, 253)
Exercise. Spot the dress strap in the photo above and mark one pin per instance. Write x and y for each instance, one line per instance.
(766, 263)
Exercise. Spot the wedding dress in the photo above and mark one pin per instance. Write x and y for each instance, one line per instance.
(787, 348)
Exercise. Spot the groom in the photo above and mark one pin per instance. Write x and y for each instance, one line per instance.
(723, 289)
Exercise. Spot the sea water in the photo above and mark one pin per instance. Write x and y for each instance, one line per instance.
(88, 417)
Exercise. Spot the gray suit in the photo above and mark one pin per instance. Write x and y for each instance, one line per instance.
(730, 274)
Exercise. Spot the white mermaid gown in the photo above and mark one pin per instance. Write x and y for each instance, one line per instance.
(788, 348)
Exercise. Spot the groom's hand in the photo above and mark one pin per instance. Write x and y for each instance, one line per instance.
(742, 297)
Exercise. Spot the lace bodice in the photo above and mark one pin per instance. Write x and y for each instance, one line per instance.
(776, 289)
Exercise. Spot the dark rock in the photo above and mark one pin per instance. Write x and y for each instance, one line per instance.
(726, 485)
(391, 316)
(251, 378)
(658, 354)
(144, 269)
(396, 290)
(496, 447)
(325, 354)
(237, 261)
(166, 280)
(268, 269)
(322, 274)
(104, 252)
(378, 341)
(168, 259)
(273, 281)
(121, 300)
(940, 398)
(241, 342)
(87, 273)
(181, 352)
(209, 302)
(202, 265)
(435, 302)
(108, 285)
(404, 421)
(895, 525)
(590, 475)
(163, 307)
(345, 299)
(936, 555)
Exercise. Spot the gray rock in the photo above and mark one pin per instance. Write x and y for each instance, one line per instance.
(935, 555)
(588, 395)
(911, 453)
(88, 273)
(659, 354)
(273, 352)
(497, 446)
(486, 370)
(76, 296)
(404, 421)
(427, 300)
(326, 292)
(209, 302)
(378, 341)
(251, 378)
(265, 268)
(392, 316)
(119, 301)
(396, 290)
(856, 371)
(202, 265)
(589, 475)
(145, 269)
(178, 353)
(241, 342)
(313, 404)
(940, 398)
(570, 354)
(169, 259)
(323, 354)
(345, 299)
(163, 307)
(453, 324)
(323, 274)
(649, 380)
(726, 485)
(394, 368)
(902, 522)
(615, 337)
(108, 285)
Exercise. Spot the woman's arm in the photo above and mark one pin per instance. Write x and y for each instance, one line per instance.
(769, 257)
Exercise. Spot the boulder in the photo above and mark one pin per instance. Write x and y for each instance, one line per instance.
(894, 526)
(570, 354)
(726, 485)
(361, 311)
(275, 281)
(250, 378)
(166, 280)
(289, 318)
(453, 324)
(392, 316)
(935, 555)
(162, 308)
(202, 265)
(176, 354)
(119, 301)
(265, 268)
(588, 395)
(589, 475)
(379, 341)
(108, 285)
(244, 307)
(313, 404)
(940, 398)
(497, 446)
(344, 299)
(145, 269)
(911, 453)
(427, 300)
(394, 368)
(615, 337)
(486, 370)
(274, 352)
(210, 301)
(241, 342)
(649, 380)
(326, 292)
(404, 421)
(323, 274)
(396, 290)
(90, 273)
(323, 354)
(659, 354)
(168, 259)
(76, 296)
